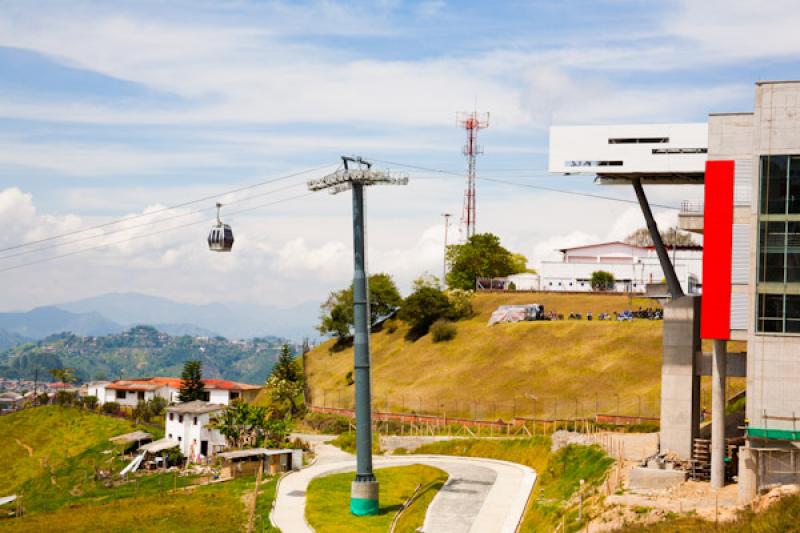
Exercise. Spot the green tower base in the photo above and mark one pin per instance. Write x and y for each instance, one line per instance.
(364, 498)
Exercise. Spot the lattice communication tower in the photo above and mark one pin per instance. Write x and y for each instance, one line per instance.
(472, 122)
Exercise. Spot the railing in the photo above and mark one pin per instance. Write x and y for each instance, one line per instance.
(692, 208)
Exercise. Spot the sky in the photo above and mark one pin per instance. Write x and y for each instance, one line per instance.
(113, 110)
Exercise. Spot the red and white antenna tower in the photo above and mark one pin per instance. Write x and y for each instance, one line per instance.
(472, 122)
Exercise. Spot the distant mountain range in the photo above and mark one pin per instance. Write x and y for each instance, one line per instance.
(117, 312)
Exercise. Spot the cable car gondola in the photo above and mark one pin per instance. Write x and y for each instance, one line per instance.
(220, 238)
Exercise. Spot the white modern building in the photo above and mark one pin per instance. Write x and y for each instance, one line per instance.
(633, 267)
(129, 392)
(187, 425)
(619, 152)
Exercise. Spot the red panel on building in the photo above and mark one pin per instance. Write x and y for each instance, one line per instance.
(717, 249)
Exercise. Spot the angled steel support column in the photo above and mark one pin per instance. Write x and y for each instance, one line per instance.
(673, 284)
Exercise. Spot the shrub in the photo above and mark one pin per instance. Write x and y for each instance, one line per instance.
(460, 304)
(348, 378)
(42, 398)
(64, 398)
(110, 408)
(602, 280)
(443, 330)
(422, 308)
(325, 423)
(89, 402)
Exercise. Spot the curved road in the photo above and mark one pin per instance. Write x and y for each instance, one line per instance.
(481, 495)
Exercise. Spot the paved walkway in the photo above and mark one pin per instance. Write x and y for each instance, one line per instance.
(481, 495)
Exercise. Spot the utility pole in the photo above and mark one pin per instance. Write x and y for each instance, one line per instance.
(444, 257)
(364, 489)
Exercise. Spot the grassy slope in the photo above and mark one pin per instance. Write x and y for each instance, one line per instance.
(209, 509)
(58, 439)
(561, 360)
(558, 473)
(327, 507)
(60, 494)
(781, 517)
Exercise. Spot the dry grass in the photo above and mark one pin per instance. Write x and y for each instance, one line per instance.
(484, 368)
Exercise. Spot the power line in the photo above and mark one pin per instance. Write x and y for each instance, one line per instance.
(526, 185)
(159, 232)
(163, 209)
(148, 223)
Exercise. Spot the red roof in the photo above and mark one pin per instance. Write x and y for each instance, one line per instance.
(175, 383)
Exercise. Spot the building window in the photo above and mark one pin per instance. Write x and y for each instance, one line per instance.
(170, 435)
(171, 417)
(638, 140)
(180, 439)
(194, 421)
(120, 394)
(180, 419)
(140, 396)
(234, 395)
(778, 301)
(206, 396)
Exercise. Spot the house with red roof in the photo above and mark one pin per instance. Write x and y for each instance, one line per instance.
(129, 392)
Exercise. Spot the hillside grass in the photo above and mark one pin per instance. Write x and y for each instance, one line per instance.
(558, 474)
(205, 509)
(550, 368)
(328, 499)
(50, 453)
(781, 517)
(49, 458)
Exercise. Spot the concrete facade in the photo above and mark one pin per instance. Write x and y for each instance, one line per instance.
(680, 380)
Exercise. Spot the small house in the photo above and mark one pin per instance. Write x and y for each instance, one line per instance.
(187, 424)
(247, 462)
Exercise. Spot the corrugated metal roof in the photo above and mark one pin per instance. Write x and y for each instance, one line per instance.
(159, 445)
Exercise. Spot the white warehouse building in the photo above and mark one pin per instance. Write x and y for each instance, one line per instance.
(634, 267)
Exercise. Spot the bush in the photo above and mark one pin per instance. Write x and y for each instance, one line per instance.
(348, 378)
(89, 402)
(460, 304)
(325, 423)
(42, 399)
(422, 308)
(110, 408)
(602, 280)
(64, 398)
(443, 330)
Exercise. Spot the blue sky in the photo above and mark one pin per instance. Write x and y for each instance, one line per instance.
(113, 109)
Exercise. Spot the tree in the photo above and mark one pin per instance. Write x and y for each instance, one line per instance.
(242, 424)
(481, 256)
(285, 383)
(337, 311)
(602, 280)
(671, 237)
(192, 382)
(63, 375)
(520, 264)
(422, 308)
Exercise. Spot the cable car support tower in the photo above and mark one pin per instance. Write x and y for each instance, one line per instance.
(472, 122)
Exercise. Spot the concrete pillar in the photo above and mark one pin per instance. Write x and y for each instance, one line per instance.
(719, 356)
(680, 382)
(748, 475)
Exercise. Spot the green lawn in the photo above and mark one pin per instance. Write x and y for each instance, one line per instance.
(328, 499)
(414, 516)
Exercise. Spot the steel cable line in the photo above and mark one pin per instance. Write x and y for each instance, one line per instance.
(148, 223)
(136, 237)
(163, 209)
(526, 185)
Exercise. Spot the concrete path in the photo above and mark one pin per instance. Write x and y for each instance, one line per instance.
(481, 495)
